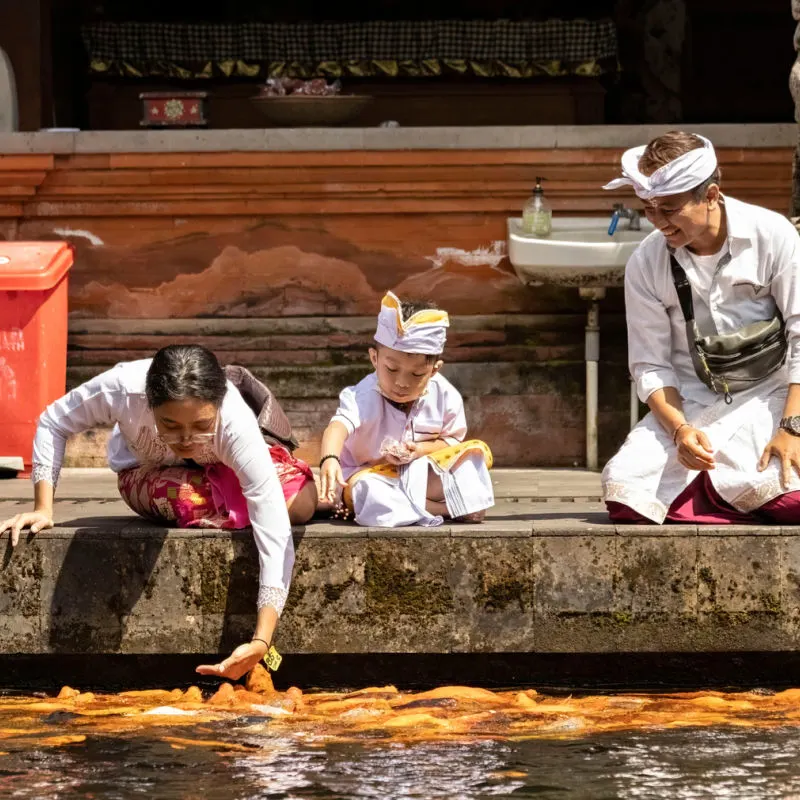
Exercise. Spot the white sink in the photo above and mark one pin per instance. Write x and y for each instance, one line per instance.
(579, 252)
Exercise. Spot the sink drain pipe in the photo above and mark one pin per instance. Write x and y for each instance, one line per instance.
(592, 358)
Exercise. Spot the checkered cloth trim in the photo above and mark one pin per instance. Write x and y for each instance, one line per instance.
(470, 40)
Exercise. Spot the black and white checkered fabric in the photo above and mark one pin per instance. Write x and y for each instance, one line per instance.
(574, 41)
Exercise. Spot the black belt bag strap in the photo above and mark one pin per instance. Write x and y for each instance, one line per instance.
(730, 362)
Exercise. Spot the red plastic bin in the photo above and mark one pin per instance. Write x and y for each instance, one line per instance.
(33, 338)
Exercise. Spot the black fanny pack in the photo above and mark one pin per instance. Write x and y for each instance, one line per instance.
(730, 362)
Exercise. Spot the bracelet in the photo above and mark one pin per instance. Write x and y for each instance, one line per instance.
(264, 641)
(325, 458)
(675, 432)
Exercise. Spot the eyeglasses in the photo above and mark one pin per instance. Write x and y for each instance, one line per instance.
(192, 438)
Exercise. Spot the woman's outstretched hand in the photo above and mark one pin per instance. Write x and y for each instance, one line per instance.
(35, 520)
(786, 448)
(238, 663)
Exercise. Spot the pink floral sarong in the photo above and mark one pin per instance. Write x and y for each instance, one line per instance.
(205, 497)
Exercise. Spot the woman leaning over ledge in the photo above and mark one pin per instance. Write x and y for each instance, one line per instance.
(708, 452)
(189, 451)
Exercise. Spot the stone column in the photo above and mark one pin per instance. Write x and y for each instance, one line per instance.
(25, 38)
(9, 111)
(652, 36)
(794, 87)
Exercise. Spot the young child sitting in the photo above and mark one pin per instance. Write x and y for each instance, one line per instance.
(395, 445)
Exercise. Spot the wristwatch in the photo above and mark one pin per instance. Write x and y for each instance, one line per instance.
(791, 424)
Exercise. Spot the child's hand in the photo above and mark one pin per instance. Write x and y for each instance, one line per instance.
(402, 453)
(330, 479)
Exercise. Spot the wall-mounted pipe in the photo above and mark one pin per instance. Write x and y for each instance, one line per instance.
(592, 357)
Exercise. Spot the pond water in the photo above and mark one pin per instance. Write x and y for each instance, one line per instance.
(451, 742)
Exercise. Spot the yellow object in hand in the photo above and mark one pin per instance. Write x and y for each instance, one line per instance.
(272, 659)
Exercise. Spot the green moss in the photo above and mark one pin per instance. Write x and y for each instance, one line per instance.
(600, 619)
(521, 334)
(333, 591)
(731, 619)
(392, 590)
(647, 571)
(497, 594)
(706, 576)
(216, 579)
(296, 595)
(771, 603)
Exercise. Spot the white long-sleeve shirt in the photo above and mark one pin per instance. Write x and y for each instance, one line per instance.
(117, 397)
(369, 418)
(762, 275)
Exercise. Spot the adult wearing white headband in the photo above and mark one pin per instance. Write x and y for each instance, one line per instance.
(682, 174)
(699, 456)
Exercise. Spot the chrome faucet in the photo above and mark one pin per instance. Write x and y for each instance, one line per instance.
(621, 212)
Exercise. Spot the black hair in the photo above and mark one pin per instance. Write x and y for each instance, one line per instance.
(700, 191)
(183, 372)
(411, 307)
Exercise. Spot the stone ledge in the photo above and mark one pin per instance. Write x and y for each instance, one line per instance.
(429, 138)
(546, 573)
(542, 582)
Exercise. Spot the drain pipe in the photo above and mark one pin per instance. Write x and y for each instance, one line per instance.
(592, 357)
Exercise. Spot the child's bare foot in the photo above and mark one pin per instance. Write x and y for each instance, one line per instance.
(475, 517)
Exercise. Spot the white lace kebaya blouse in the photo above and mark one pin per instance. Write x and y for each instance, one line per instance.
(117, 397)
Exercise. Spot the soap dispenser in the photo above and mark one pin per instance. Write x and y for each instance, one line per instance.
(537, 216)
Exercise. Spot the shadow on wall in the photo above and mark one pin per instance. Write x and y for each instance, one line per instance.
(148, 590)
(96, 579)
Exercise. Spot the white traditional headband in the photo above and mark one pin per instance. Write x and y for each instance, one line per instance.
(424, 332)
(679, 175)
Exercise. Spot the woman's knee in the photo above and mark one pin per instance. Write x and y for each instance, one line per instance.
(303, 505)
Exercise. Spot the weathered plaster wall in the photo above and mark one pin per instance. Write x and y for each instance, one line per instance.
(245, 236)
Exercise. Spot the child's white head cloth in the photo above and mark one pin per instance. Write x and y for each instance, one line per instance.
(424, 332)
(679, 175)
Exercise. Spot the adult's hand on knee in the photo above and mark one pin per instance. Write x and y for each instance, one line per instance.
(694, 449)
(786, 448)
(35, 520)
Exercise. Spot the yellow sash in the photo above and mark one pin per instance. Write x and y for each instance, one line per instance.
(446, 458)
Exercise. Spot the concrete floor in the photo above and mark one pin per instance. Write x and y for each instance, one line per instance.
(524, 496)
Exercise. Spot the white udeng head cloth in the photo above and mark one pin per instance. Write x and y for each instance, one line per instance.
(679, 175)
(424, 332)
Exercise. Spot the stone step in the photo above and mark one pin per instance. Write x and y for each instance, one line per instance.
(563, 485)
(539, 576)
